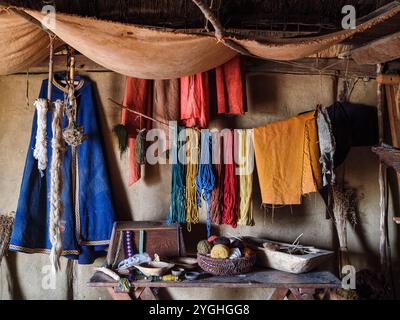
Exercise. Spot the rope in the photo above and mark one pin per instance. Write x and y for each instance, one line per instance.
(217, 200)
(177, 200)
(40, 151)
(192, 167)
(229, 214)
(205, 180)
(56, 205)
(246, 161)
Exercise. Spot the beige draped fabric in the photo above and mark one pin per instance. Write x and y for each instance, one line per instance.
(149, 53)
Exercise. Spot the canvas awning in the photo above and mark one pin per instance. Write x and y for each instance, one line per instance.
(152, 53)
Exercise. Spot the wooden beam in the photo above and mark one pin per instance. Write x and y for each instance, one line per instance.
(82, 63)
(378, 51)
(388, 79)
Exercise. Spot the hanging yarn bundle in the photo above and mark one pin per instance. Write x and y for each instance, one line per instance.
(205, 180)
(192, 155)
(40, 151)
(217, 200)
(6, 226)
(56, 205)
(229, 211)
(122, 136)
(246, 166)
(177, 199)
(140, 146)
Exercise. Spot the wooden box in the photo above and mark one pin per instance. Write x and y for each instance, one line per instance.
(164, 239)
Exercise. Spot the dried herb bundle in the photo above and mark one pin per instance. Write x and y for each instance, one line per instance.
(344, 209)
(6, 225)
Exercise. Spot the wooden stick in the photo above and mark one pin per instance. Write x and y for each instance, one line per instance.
(50, 81)
(27, 17)
(219, 30)
(382, 178)
(121, 106)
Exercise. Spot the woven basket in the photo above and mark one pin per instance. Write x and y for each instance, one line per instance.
(226, 267)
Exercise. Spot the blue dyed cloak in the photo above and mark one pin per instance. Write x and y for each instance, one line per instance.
(86, 232)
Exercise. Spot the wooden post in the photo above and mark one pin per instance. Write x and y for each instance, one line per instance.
(382, 181)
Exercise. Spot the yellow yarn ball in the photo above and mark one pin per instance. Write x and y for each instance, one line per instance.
(220, 251)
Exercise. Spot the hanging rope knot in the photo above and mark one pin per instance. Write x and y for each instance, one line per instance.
(73, 135)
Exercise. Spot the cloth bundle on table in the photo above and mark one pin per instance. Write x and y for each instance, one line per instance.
(231, 87)
(86, 223)
(287, 159)
(195, 104)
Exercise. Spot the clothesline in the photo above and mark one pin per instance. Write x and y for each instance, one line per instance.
(121, 106)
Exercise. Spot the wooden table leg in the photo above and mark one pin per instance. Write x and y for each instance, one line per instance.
(279, 294)
(118, 295)
(145, 293)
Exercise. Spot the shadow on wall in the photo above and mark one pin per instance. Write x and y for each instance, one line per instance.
(121, 201)
(12, 277)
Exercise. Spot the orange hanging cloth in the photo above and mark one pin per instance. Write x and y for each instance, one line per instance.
(230, 87)
(138, 97)
(195, 105)
(287, 162)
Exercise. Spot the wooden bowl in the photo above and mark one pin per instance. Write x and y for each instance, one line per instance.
(154, 268)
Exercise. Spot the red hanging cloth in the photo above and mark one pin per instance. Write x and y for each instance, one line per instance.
(229, 215)
(138, 97)
(195, 105)
(230, 88)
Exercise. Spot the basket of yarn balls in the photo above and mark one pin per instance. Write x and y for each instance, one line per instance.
(222, 256)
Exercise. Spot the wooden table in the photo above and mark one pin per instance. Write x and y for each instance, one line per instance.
(286, 285)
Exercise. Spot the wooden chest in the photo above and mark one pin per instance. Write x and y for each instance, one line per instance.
(161, 238)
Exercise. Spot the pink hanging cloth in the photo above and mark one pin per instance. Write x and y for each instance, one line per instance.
(230, 87)
(138, 97)
(195, 105)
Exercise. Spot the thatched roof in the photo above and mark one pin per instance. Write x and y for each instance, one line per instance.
(306, 15)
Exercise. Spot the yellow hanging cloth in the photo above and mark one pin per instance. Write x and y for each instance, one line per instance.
(287, 159)
(245, 171)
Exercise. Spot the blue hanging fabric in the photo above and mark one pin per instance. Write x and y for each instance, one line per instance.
(177, 212)
(87, 225)
(205, 180)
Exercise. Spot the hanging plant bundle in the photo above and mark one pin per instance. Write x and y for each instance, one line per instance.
(6, 225)
(122, 135)
(141, 147)
(344, 209)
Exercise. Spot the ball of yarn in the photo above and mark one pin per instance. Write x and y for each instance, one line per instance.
(204, 247)
(222, 240)
(247, 252)
(235, 253)
(237, 244)
(220, 251)
(211, 239)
